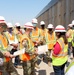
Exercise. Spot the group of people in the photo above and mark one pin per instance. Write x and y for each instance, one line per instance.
(60, 43)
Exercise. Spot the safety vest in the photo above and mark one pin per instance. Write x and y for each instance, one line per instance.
(73, 38)
(18, 34)
(50, 40)
(10, 36)
(43, 32)
(35, 35)
(62, 57)
(70, 37)
(3, 46)
(29, 48)
(70, 69)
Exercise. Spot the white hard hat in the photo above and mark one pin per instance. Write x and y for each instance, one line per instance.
(60, 28)
(34, 20)
(73, 22)
(9, 25)
(50, 26)
(70, 25)
(42, 23)
(17, 24)
(2, 19)
(28, 25)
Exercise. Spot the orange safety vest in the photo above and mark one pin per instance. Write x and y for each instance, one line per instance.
(35, 35)
(4, 45)
(43, 32)
(26, 56)
(50, 40)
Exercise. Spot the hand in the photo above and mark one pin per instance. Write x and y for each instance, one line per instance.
(12, 56)
(7, 54)
(36, 50)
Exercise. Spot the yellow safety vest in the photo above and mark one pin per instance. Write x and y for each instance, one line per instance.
(3, 46)
(50, 40)
(73, 38)
(62, 57)
(18, 34)
(10, 36)
(71, 34)
(30, 48)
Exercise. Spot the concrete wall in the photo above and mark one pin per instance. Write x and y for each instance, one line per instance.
(62, 12)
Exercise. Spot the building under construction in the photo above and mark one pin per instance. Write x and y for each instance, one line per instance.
(57, 12)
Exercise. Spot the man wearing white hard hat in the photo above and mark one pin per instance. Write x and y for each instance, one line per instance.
(69, 37)
(59, 55)
(50, 41)
(36, 35)
(13, 43)
(8, 66)
(18, 31)
(29, 55)
(18, 28)
(43, 29)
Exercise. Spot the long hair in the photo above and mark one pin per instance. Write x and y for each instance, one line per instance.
(63, 34)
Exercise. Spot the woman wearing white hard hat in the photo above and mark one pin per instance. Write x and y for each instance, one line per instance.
(59, 55)
(8, 65)
(27, 57)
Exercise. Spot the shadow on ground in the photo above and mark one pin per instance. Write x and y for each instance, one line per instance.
(52, 73)
(41, 72)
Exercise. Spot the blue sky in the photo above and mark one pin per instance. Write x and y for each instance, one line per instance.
(21, 11)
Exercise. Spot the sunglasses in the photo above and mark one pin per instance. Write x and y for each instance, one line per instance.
(4, 27)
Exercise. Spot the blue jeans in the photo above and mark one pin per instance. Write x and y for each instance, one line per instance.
(59, 70)
(17, 60)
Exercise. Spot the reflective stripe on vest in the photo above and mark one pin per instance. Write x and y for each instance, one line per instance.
(61, 58)
(26, 56)
(35, 34)
(50, 40)
(62, 53)
(10, 36)
(3, 46)
(71, 33)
